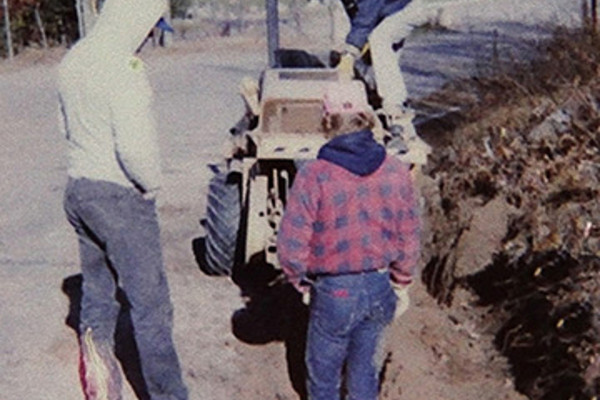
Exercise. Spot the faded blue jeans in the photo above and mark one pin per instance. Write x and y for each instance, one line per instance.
(348, 314)
(119, 245)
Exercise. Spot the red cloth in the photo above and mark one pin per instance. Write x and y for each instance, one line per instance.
(337, 222)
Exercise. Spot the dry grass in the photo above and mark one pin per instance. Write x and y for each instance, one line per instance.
(529, 138)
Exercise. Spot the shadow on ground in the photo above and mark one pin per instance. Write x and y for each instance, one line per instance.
(273, 312)
(125, 346)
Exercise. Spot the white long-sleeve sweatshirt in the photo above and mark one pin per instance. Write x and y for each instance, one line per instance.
(105, 99)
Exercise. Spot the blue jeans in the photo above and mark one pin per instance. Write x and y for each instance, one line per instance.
(348, 314)
(119, 244)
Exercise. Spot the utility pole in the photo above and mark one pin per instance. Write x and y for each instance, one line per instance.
(9, 44)
(272, 31)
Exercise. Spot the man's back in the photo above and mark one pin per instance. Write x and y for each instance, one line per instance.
(85, 104)
(358, 218)
(352, 210)
(106, 105)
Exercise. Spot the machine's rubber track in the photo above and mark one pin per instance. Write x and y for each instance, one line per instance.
(222, 224)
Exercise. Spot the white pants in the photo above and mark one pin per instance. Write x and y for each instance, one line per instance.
(393, 29)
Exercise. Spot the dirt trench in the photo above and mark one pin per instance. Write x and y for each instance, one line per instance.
(512, 222)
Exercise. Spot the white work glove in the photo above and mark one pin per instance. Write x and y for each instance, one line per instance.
(346, 66)
(306, 297)
(403, 301)
(304, 290)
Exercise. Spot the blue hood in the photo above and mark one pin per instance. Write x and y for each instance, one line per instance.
(357, 152)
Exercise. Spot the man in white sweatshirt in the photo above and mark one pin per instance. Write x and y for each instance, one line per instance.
(114, 175)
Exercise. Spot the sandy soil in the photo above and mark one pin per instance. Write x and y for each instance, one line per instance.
(433, 352)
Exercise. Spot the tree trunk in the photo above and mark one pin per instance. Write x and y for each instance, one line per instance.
(40, 25)
(272, 30)
(9, 44)
(87, 13)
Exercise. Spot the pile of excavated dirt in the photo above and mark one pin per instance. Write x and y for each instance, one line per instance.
(513, 217)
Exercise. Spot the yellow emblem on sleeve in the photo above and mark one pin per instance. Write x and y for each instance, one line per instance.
(136, 64)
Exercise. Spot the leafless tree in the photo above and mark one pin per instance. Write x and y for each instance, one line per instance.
(589, 11)
(87, 13)
(40, 24)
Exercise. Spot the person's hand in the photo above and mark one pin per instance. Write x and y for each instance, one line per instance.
(303, 288)
(346, 65)
(403, 301)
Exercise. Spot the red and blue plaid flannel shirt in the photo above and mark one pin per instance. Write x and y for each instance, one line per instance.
(336, 222)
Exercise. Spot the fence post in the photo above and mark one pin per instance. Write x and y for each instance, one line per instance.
(9, 44)
(272, 31)
(87, 13)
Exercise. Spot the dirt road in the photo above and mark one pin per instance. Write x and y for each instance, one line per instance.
(196, 103)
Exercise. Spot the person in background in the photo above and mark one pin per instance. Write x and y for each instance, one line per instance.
(350, 236)
(382, 26)
(114, 176)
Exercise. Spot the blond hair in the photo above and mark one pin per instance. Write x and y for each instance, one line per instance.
(337, 124)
